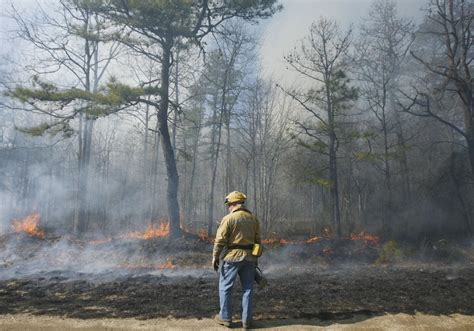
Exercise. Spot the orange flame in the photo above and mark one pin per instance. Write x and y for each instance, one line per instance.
(275, 241)
(29, 225)
(167, 265)
(152, 231)
(366, 237)
(202, 234)
(313, 239)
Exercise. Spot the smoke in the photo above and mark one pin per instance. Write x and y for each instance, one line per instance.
(41, 174)
(22, 256)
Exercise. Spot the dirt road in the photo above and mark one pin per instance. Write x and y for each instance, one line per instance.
(385, 322)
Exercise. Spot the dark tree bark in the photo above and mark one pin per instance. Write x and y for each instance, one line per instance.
(168, 151)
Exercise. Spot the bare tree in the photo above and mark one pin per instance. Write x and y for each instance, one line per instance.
(263, 124)
(383, 46)
(223, 89)
(321, 60)
(450, 26)
(226, 74)
(193, 124)
(76, 50)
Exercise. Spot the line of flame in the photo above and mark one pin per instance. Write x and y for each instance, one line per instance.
(152, 231)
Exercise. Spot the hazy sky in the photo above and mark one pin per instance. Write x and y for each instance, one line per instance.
(285, 29)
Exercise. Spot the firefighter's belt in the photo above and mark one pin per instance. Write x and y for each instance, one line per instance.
(237, 246)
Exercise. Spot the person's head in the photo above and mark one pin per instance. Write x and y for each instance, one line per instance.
(234, 199)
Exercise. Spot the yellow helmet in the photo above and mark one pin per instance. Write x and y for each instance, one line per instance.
(235, 197)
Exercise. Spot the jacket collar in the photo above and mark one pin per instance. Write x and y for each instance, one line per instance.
(241, 208)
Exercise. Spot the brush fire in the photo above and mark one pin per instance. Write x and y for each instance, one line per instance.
(145, 274)
(152, 231)
(29, 226)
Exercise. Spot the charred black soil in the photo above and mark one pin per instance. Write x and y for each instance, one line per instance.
(332, 294)
(318, 279)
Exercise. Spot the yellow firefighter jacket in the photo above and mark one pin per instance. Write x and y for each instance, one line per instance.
(239, 227)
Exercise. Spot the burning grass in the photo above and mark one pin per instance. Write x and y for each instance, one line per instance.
(152, 231)
(368, 238)
(151, 250)
(276, 241)
(29, 225)
(202, 234)
(313, 239)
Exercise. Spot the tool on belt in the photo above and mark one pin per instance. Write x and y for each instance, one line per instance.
(257, 249)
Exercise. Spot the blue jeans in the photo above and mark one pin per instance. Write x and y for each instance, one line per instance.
(227, 274)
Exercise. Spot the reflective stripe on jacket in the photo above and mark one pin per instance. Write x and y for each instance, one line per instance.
(239, 227)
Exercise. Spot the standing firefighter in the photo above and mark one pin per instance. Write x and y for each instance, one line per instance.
(238, 240)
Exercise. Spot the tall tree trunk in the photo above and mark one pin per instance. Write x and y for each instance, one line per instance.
(387, 209)
(349, 212)
(146, 168)
(176, 99)
(214, 157)
(25, 183)
(470, 147)
(457, 186)
(168, 152)
(254, 178)
(228, 168)
(334, 189)
(49, 186)
(403, 159)
(85, 137)
(86, 123)
(189, 205)
(404, 167)
(246, 179)
(223, 112)
(154, 173)
(468, 120)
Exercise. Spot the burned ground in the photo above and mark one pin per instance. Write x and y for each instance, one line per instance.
(326, 295)
(306, 281)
